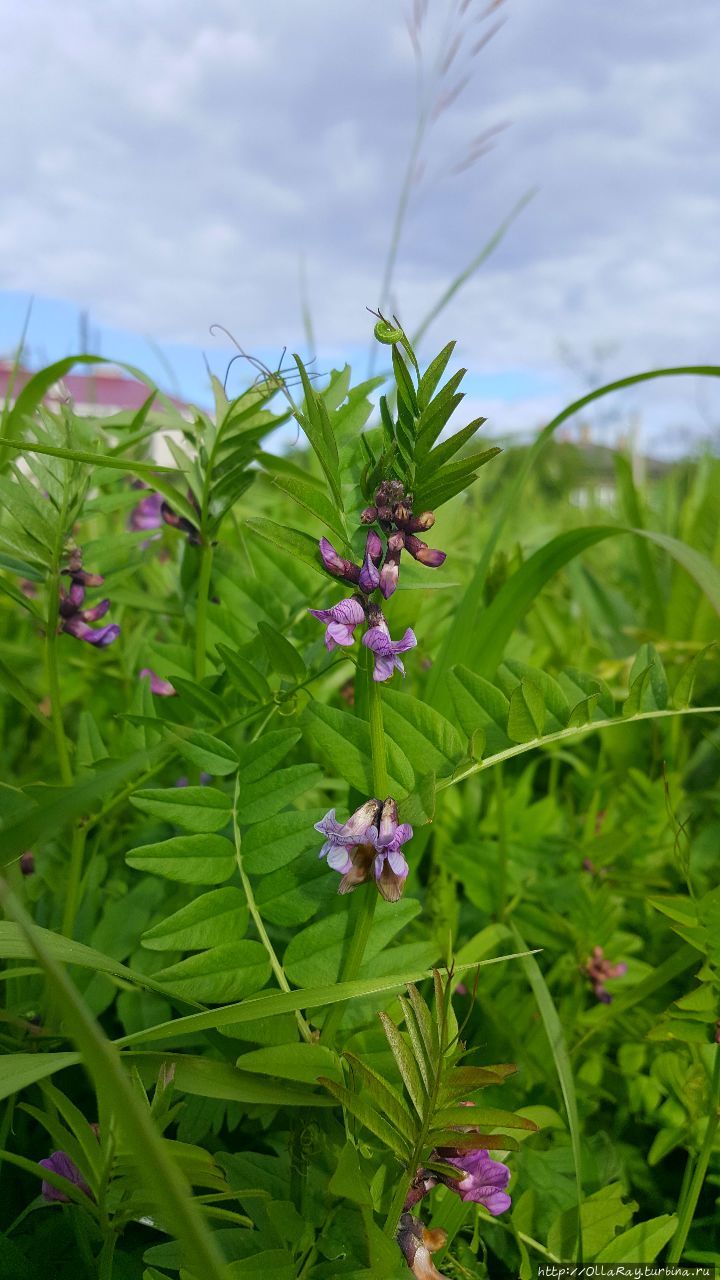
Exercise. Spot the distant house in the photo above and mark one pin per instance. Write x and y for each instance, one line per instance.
(100, 392)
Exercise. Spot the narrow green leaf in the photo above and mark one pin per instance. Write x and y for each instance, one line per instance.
(389, 1102)
(247, 680)
(18, 1070)
(553, 1030)
(163, 1179)
(292, 542)
(406, 1064)
(284, 657)
(313, 500)
(363, 1111)
(482, 1117)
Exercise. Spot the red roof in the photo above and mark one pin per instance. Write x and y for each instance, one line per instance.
(105, 388)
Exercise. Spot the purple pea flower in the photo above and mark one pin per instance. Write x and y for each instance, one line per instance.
(74, 619)
(147, 514)
(484, 1179)
(599, 971)
(369, 578)
(390, 868)
(367, 847)
(158, 685)
(377, 639)
(341, 619)
(59, 1162)
(391, 568)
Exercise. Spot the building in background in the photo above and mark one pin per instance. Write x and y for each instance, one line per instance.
(99, 393)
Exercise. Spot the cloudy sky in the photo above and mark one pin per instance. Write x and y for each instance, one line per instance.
(172, 163)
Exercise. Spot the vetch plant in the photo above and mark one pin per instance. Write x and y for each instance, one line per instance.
(257, 868)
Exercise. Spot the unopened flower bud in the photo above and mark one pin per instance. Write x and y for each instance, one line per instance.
(369, 515)
(336, 564)
(423, 553)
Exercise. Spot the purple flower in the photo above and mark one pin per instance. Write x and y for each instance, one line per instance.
(391, 869)
(422, 552)
(74, 619)
(599, 971)
(180, 522)
(484, 1179)
(341, 619)
(336, 564)
(377, 638)
(162, 688)
(59, 1162)
(369, 578)
(27, 863)
(391, 569)
(367, 847)
(147, 514)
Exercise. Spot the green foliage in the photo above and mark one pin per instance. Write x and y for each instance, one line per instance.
(173, 959)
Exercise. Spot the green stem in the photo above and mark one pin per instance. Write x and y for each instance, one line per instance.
(363, 907)
(502, 843)
(377, 741)
(688, 1204)
(206, 557)
(53, 679)
(72, 892)
(258, 921)
(360, 921)
(105, 1261)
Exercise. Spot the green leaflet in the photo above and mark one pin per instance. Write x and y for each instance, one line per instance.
(213, 918)
(271, 793)
(207, 1078)
(197, 859)
(198, 809)
(342, 742)
(313, 955)
(205, 752)
(226, 972)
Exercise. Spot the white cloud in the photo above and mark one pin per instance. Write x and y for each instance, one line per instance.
(168, 164)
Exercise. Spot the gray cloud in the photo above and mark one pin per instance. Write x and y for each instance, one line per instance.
(170, 162)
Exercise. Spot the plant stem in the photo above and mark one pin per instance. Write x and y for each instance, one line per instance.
(360, 921)
(206, 557)
(688, 1204)
(377, 741)
(366, 896)
(72, 892)
(275, 964)
(105, 1261)
(53, 678)
(502, 842)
